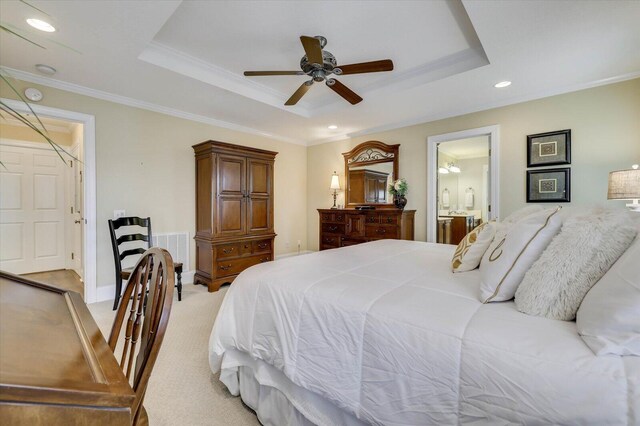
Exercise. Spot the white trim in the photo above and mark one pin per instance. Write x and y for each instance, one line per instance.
(89, 160)
(123, 100)
(86, 91)
(291, 254)
(484, 107)
(107, 292)
(432, 171)
(30, 144)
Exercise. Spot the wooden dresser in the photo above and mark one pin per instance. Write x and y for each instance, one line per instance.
(340, 228)
(234, 211)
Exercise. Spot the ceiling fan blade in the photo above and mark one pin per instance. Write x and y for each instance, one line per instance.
(313, 49)
(364, 67)
(257, 73)
(304, 87)
(343, 91)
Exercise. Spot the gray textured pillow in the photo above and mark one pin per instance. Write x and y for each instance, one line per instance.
(584, 250)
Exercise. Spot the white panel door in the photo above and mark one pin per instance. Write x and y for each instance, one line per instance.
(32, 210)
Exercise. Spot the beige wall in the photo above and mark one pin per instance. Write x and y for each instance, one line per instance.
(145, 165)
(605, 132)
(22, 133)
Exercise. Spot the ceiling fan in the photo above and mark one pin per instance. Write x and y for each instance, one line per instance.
(319, 64)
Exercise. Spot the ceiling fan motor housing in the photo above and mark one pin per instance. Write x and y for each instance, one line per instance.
(329, 63)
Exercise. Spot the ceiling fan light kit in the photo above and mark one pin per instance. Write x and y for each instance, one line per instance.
(319, 64)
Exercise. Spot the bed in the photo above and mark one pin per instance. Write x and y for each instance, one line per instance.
(400, 340)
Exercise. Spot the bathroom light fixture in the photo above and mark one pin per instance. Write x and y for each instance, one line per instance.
(443, 170)
(454, 169)
(502, 84)
(46, 69)
(449, 168)
(41, 25)
(332, 127)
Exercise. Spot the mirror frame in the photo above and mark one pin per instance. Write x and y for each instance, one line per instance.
(391, 155)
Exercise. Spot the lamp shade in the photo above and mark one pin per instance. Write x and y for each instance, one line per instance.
(335, 181)
(624, 185)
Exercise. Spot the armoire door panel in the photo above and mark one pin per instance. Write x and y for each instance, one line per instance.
(259, 214)
(231, 175)
(259, 175)
(231, 215)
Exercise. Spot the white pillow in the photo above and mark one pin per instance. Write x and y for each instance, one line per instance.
(510, 256)
(584, 250)
(520, 214)
(469, 252)
(609, 317)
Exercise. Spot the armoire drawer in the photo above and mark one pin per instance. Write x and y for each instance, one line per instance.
(235, 266)
(228, 250)
(261, 246)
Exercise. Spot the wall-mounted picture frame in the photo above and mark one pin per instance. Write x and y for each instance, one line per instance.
(549, 185)
(549, 149)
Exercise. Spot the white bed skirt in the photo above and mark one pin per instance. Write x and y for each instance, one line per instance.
(276, 400)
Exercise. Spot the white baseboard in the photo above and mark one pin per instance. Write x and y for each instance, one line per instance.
(107, 292)
(295, 253)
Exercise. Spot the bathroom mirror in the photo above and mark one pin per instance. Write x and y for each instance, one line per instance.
(369, 169)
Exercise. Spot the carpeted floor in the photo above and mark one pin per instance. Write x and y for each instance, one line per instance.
(182, 389)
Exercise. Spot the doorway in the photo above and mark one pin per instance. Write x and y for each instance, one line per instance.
(82, 177)
(463, 185)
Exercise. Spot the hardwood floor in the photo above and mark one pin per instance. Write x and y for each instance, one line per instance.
(63, 278)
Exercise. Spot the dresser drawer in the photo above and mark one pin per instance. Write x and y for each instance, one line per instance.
(233, 267)
(228, 250)
(332, 217)
(381, 231)
(330, 240)
(383, 219)
(351, 242)
(333, 228)
(261, 246)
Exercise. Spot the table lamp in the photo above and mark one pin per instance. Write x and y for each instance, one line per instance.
(625, 185)
(335, 185)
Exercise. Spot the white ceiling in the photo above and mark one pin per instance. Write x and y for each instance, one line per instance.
(186, 58)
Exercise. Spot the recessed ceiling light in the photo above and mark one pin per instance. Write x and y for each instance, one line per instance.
(502, 84)
(41, 25)
(332, 127)
(46, 69)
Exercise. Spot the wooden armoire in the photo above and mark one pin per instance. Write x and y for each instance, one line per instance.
(234, 211)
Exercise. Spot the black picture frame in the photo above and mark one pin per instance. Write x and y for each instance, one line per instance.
(549, 185)
(549, 149)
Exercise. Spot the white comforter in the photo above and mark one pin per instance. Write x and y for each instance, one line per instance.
(387, 333)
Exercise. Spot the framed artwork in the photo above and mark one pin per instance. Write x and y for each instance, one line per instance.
(549, 149)
(549, 185)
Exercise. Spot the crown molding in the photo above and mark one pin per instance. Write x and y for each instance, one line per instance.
(123, 100)
(491, 105)
(184, 64)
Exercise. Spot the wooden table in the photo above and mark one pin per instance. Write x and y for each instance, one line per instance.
(55, 366)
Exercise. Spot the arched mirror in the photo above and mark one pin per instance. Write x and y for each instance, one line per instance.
(369, 168)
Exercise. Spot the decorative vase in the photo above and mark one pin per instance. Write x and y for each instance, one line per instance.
(399, 201)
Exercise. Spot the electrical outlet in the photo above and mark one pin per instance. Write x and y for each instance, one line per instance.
(287, 245)
(119, 213)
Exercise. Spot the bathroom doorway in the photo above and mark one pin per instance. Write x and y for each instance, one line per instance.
(463, 183)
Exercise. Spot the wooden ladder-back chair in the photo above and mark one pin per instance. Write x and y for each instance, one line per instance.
(133, 243)
(146, 304)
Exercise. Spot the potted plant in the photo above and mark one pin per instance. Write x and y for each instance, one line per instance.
(399, 189)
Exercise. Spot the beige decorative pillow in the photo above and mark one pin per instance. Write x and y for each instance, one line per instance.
(584, 250)
(469, 252)
(511, 254)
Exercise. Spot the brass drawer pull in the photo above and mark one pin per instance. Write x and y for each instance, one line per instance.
(389, 219)
(264, 259)
(382, 231)
(225, 268)
(227, 251)
(329, 240)
(246, 246)
(339, 218)
(262, 245)
(333, 228)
